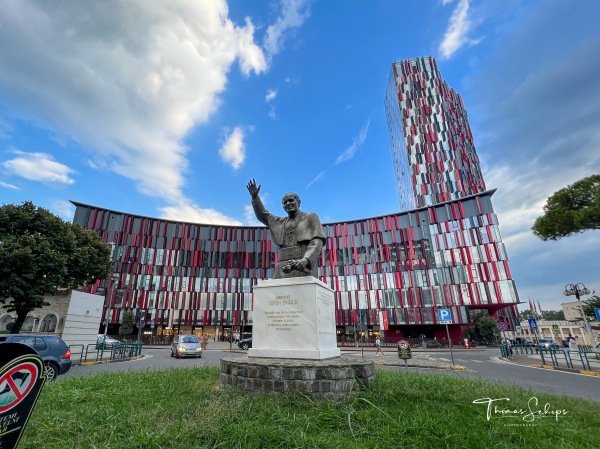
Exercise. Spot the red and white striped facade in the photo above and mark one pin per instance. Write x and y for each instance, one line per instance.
(407, 264)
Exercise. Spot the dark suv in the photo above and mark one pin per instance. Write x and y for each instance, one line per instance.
(245, 342)
(52, 350)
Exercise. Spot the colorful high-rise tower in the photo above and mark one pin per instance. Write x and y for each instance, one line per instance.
(432, 146)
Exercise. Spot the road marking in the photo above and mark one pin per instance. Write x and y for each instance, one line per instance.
(445, 360)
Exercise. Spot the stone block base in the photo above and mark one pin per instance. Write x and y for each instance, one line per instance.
(331, 379)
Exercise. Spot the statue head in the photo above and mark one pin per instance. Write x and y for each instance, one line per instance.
(291, 203)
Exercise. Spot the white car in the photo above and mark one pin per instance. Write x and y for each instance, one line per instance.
(186, 346)
(106, 342)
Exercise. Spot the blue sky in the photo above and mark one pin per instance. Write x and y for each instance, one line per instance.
(167, 108)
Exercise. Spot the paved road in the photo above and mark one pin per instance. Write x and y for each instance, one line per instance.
(486, 365)
(483, 364)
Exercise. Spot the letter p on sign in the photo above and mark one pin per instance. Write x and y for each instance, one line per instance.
(444, 316)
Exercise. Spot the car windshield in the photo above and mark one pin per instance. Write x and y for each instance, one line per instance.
(190, 339)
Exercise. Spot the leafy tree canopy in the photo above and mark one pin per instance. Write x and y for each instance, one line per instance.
(526, 314)
(40, 253)
(485, 328)
(589, 305)
(126, 327)
(553, 315)
(571, 210)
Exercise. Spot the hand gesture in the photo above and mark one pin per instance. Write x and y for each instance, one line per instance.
(252, 188)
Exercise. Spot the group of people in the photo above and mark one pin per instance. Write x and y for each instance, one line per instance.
(506, 342)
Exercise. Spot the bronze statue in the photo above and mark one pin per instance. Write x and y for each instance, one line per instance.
(299, 235)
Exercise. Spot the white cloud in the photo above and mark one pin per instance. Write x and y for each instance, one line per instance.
(8, 186)
(233, 149)
(272, 113)
(250, 217)
(127, 80)
(38, 167)
(271, 94)
(319, 177)
(356, 145)
(63, 209)
(194, 214)
(293, 14)
(457, 31)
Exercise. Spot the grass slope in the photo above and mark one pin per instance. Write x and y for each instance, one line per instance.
(185, 408)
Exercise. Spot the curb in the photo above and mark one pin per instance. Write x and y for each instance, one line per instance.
(539, 365)
(104, 362)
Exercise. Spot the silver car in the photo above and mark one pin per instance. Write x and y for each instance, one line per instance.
(186, 345)
(106, 342)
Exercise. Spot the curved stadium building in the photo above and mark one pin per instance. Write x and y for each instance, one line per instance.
(390, 272)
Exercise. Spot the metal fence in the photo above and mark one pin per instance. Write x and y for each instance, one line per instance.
(584, 355)
(96, 353)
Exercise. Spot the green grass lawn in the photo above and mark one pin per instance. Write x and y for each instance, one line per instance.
(185, 408)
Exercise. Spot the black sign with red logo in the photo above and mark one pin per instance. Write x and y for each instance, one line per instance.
(21, 380)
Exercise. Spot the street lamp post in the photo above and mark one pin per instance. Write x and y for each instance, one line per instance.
(578, 290)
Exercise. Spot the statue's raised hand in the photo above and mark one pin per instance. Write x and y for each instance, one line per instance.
(252, 188)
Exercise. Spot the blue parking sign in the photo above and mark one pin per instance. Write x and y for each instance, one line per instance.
(597, 313)
(444, 316)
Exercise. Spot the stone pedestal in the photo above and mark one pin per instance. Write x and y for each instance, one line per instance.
(331, 379)
(293, 319)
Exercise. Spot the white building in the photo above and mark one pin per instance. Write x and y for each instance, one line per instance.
(557, 330)
(73, 315)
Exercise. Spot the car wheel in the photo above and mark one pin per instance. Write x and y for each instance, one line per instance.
(51, 371)
(177, 356)
(245, 346)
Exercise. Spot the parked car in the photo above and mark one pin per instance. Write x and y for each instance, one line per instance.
(53, 351)
(106, 342)
(522, 341)
(245, 343)
(547, 343)
(431, 344)
(186, 346)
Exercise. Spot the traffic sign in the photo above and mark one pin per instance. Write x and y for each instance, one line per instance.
(555, 327)
(21, 380)
(533, 323)
(444, 316)
(403, 344)
(502, 326)
(404, 351)
(597, 313)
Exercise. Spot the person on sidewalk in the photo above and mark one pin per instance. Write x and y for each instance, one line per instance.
(378, 346)
(573, 344)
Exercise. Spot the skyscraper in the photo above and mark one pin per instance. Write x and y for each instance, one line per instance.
(433, 151)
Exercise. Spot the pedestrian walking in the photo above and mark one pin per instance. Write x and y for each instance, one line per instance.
(378, 346)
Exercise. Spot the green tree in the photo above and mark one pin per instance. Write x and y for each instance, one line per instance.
(588, 307)
(485, 327)
(571, 210)
(40, 253)
(126, 327)
(553, 315)
(526, 314)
